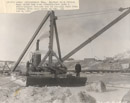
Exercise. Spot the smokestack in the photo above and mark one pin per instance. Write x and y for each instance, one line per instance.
(37, 45)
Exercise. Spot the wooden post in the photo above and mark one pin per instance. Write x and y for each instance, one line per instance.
(51, 37)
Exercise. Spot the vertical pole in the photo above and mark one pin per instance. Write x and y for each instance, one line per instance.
(51, 37)
(57, 39)
(4, 67)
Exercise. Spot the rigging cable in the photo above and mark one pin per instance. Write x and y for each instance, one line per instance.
(91, 12)
(78, 15)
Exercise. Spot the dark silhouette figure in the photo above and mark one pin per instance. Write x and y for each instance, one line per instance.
(78, 69)
(27, 67)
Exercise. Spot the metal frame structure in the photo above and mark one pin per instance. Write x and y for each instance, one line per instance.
(53, 28)
(50, 53)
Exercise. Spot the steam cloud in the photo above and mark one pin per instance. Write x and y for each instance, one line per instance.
(44, 36)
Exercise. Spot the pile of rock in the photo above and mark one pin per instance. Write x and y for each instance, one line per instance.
(48, 95)
(97, 86)
(126, 98)
(4, 94)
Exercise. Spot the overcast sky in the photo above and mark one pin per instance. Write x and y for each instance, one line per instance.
(17, 29)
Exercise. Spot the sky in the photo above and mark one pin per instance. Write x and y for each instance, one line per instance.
(17, 29)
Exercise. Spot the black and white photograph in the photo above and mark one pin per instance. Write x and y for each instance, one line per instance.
(66, 56)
